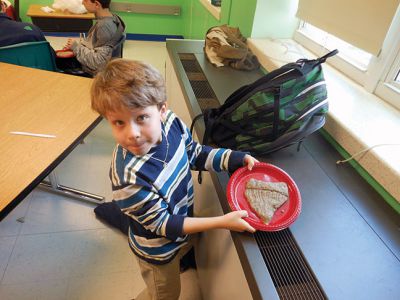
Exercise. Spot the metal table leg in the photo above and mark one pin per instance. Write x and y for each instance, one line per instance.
(54, 186)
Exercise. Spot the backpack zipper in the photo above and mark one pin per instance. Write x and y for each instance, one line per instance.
(310, 88)
(312, 109)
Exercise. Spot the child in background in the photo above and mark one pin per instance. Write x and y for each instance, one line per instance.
(94, 51)
(150, 172)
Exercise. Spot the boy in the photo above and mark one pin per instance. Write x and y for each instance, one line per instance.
(150, 172)
(95, 50)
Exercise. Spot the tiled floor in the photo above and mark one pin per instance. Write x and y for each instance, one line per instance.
(53, 247)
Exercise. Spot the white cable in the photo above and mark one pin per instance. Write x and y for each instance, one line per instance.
(289, 48)
(363, 151)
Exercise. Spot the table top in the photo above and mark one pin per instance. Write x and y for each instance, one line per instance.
(38, 101)
(35, 11)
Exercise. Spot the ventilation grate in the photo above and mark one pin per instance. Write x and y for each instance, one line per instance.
(190, 65)
(201, 88)
(290, 272)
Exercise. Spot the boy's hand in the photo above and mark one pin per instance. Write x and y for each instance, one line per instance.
(68, 44)
(233, 221)
(249, 161)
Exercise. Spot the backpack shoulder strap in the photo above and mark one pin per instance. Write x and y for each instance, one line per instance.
(209, 116)
(322, 59)
(312, 63)
(208, 122)
(194, 121)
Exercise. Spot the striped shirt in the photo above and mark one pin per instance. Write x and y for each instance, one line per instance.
(158, 197)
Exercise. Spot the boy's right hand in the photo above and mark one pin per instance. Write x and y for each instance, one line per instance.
(234, 221)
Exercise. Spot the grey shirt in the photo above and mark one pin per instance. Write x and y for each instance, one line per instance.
(96, 49)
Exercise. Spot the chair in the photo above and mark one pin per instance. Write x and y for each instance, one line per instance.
(118, 48)
(38, 55)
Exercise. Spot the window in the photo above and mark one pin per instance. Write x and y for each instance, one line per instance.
(351, 54)
(378, 74)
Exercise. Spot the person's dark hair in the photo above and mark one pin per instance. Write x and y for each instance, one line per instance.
(104, 3)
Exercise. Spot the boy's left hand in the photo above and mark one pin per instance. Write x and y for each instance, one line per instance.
(68, 44)
(249, 161)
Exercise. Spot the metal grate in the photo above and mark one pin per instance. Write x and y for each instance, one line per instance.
(292, 276)
(190, 65)
(201, 88)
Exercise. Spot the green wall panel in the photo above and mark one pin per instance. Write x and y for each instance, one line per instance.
(236, 13)
(201, 19)
(225, 11)
(255, 18)
(186, 24)
(198, 21)
(136, 23)
(242, 15)
(152, 24)
(24, 5)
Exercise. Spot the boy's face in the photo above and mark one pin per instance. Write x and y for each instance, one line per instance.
(139, 129)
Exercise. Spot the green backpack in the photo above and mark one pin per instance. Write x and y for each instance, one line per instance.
(277, 110)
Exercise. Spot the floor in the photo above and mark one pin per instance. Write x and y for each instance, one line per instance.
(53, 247)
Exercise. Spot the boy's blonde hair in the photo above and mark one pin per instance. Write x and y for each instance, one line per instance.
(127, 84)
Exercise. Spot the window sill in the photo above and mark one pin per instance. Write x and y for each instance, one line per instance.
(213, 10)
(356, 119)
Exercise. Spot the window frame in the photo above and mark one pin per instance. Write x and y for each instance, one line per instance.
(387, 88)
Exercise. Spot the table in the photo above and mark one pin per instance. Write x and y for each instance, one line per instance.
(59, 21)
(40, 102)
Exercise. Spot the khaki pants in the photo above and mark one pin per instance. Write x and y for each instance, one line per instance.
(162, 281)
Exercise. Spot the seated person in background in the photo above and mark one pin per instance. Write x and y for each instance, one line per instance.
(12, 32)
(95, 50)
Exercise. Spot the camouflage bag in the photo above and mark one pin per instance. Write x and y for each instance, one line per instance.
(277, 110)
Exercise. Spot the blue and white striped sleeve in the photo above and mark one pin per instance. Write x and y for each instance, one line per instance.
(202, 157)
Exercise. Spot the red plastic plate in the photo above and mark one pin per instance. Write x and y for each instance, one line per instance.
(284, 215)
(65, 53)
